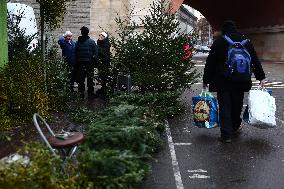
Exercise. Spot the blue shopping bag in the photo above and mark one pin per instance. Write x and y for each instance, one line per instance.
(205, 110)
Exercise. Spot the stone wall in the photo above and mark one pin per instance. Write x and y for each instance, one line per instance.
(103, 13)
(77, 15)
(270, 47)
(268, 42)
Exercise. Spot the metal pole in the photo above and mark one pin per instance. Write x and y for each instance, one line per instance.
(3, 34)
(42, 32)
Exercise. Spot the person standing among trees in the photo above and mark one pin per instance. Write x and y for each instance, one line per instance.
(104, 61)
(68, 53)
(230, 82)
(86, 54)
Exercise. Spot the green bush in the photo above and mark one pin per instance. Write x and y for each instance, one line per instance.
(83, 115)
(43, 170)
(18, 40)
(24, 88)
(158, 58)
(28, 87)
(163, 105)
(56, 80)
(109, 169)
(125, 127)
(119, 143)
(29, 84)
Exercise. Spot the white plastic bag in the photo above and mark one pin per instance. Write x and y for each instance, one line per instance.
(262, 109)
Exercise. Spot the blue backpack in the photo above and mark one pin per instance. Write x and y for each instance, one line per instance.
(238, 63)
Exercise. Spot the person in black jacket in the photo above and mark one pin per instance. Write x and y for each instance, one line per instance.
(103, 62)
(230, 94)
(86, 54)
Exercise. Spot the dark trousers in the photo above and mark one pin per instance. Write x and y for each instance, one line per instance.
(72, 76)
(230, 109)
(85, 69)
(103, 74)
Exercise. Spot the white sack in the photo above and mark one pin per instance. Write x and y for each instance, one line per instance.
(262, 109)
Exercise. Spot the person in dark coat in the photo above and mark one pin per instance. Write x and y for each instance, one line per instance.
(230, 94)
(86, 54)
(104, 61)
(68, 53)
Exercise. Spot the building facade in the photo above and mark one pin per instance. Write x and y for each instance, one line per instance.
(99, 15)
(188, 22)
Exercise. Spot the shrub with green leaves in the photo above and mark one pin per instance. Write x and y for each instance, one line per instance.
(158, 58)
(83, 115)
(24, 88)
(125, 127)
(119, 143)
(29, 87)
(53, 12)
(42, 170)
(18, 40)
(109, 169)
(161, 104)
(56, 80)
(29, 84)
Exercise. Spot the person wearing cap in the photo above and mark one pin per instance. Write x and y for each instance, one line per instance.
(104, 62)
(68, 53)
(86, 54)
(230, 94)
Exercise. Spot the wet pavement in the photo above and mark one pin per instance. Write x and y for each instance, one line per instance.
(192, 158)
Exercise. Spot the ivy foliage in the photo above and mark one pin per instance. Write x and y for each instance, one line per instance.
(158, 58)
(53, 11)
(28, 84)
(38, 168)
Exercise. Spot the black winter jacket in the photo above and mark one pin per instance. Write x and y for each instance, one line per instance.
(104, 50)
(214, 67)
(86, 49)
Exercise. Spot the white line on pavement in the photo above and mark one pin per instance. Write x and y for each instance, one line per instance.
(273, 83)
(199, 65)
(282, 85)
(270, 87)
(197, 171)
(177, 174)
(182, 144)
(198, 176)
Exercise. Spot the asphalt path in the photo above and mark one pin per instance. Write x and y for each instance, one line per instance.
(193, 158)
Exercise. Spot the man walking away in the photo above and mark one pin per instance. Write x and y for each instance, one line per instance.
(228, 72)
(68, 53)
(86, 53)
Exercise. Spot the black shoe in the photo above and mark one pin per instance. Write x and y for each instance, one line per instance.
(82, 96)
(92, 95)
(225, 140)
(239, 130)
